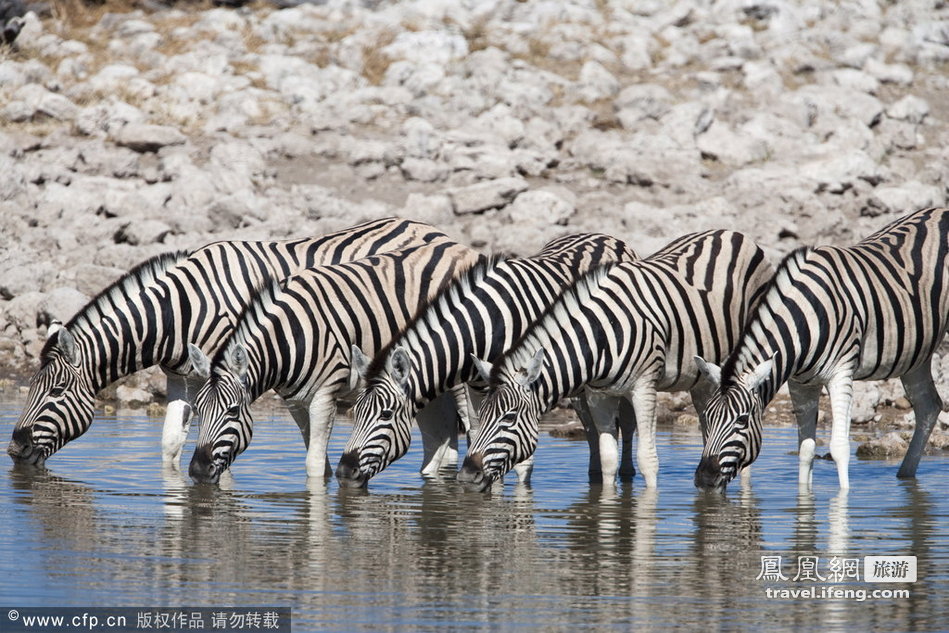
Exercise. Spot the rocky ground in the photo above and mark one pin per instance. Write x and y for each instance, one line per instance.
(506, 123)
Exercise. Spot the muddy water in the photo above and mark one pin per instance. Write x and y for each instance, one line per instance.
(105, 525)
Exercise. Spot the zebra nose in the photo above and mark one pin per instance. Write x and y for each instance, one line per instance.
(202, 469)
(471, 474)
(348, 473)
(709, 473)
(22, 443)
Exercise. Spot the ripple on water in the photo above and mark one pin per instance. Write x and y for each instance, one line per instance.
(107, 525)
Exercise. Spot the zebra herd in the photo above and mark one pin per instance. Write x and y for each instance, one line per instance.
(407, 324)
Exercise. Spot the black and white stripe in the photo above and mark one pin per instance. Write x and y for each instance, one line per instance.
(629, 330)
(149, 316)
(481, 314)
(297, 337)
(833, 315)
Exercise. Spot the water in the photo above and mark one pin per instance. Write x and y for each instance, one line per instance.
(107, 526)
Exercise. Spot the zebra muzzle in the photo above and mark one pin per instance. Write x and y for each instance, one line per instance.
(471, 474)
(202, 469)
(708, 474)
(348, 473)
(21, 448)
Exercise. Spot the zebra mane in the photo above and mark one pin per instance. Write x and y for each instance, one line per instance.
(134, 281)
(571, 296)
(253, 314)
(730, 366)
(428, 316)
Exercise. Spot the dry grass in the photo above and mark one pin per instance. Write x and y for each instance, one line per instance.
(375, 62)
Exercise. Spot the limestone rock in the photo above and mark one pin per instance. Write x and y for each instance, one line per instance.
(490, 194)
(143, 137)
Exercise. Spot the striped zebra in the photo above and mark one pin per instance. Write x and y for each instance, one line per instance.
(149, 316)
(833, 315)
(481, 313)
(626, 330)
(296, 337)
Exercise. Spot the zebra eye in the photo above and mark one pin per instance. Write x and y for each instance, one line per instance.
(57, 392)
(742, 421)
(234, 409)
(509, 417)
(385, 415)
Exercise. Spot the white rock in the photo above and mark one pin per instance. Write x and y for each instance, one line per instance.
(107, 116)
(143, 137)
(132, 396)
(903, 198)
(910, 108)
(423, 169)
(419, 138)
(111, 78)
(427, 47)
(62, 303)
(142, 232)
(482, 196)
(642, 101)
(838, 173)
(436, 210)
(731, 147)
(900, 74)
(539, 207)
(596, 82)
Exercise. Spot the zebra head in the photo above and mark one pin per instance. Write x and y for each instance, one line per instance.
(382, 419)
(733, 420)
(60, 404)
(223, 408)
(509, 424)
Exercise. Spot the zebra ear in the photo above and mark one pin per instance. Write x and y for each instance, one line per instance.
(236, 359)
(761, 373)
(54, 326)
(534, 366)
(200, 363)
(66, 343)
(398, 365)
(711, 371)
(483, 367)
(358, 367)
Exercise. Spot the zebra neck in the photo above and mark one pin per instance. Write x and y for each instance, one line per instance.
(118, 349)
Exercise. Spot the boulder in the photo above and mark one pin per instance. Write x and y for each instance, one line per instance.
(890, 446)
(490, 194)
(144, 137)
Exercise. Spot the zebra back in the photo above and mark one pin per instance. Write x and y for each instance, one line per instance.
(486, 310)
(299, 330)
(888, 294)
(620, 321)
(149, 315)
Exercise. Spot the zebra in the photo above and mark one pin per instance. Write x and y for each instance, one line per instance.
(832, 315)
(628, 329)
(481, 313)
(296, 337)
(148, 316)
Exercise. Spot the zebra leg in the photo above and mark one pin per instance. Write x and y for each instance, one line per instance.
(598, 413)
(437, 422)
(840, 389)
(804, 399)
(626, 420)
(927, 404)
(322, 414)
(644, 402)
(178, 414)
